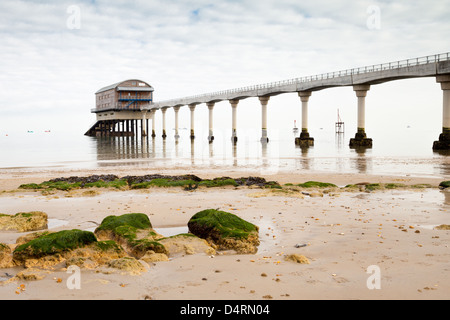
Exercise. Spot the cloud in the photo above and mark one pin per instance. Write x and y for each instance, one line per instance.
(189, 47)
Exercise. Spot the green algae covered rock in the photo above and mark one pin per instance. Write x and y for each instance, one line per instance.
(135, 220)
(133, 231)
(444, 184)
(225, 231)
(54, 243)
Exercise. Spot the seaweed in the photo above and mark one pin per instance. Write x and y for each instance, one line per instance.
(316, 184)
(52, 243)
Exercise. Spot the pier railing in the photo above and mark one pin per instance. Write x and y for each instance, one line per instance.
(324, 76)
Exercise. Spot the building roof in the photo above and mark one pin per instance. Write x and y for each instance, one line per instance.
(115, 85)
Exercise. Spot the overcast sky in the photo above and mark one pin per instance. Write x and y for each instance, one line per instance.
(54, 55)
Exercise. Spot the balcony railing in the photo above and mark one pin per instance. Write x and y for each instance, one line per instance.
(117, 107)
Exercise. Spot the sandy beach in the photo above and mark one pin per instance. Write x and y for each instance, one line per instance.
(342, 234)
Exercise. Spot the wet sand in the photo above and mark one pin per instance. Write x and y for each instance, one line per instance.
(341, 233)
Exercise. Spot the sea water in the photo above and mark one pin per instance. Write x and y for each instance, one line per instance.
(401, 152)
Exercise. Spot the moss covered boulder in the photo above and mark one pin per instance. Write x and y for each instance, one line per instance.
(53, 243)
(72, 247)
(24, 221)
(444, 184)
(133, 231)
(225, 231)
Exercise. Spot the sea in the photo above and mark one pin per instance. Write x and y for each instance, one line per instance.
(405, 151)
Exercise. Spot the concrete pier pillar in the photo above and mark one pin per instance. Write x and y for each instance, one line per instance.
(234, 104)
(192, 108)
(361, 139)
(304, 140)
(177, 134)
(143, 124)
(163, 111)
(132, 127)
(211, 109)
(444, 139)
(153, 113)
(264, 101)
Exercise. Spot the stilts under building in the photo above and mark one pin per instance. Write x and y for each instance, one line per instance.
(118, 109)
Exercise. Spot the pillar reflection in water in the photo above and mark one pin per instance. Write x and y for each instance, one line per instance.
(362, 162)
(123, 148)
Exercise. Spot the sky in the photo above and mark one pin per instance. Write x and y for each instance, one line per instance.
(54, 55)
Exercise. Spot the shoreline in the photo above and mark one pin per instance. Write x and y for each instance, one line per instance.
(341, 233)
(11, 179)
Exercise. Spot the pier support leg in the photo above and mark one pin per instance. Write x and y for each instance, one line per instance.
(144, 124)
(211, 109)
(264, 101)
(192, 108)
(153, 113)
(164, 134)
(234, 104)
(444, 139)
(132, 127)
(304, 140)
(177, 134)
(361, 139)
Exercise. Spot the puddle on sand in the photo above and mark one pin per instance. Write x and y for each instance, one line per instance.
(56, 223)
(172, 231)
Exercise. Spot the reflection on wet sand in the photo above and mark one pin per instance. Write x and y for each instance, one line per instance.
(446, 193)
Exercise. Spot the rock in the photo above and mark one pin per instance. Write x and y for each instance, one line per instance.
(24, 221)
(53, 244)
(128, 265)
(444, 184)
(72, 247)
(225, 231)
(151, 256)
(29, 275)
(89, 179)
(314, 194)
(133, 231)
(147, 178)
(187, 244)
(443, 227)
(6, 260)
(298, 258)
(30, 236)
